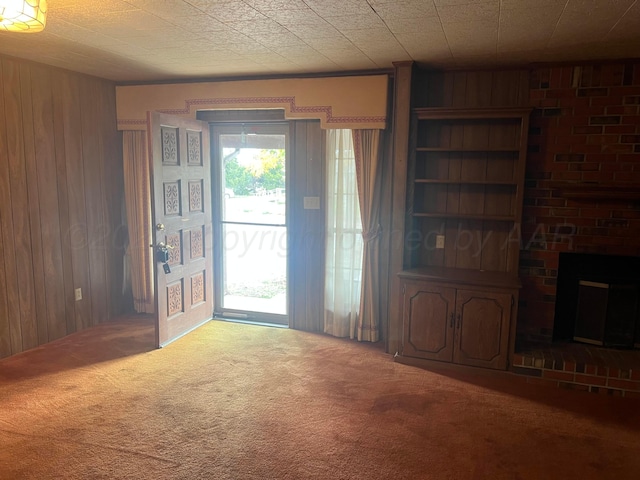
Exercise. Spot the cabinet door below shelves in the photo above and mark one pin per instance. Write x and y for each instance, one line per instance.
(482, 328)
(428, 321)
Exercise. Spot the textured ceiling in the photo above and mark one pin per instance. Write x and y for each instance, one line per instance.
(145, 40)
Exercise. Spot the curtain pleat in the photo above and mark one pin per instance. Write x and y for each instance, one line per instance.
(366, 143)
(343, 267)
(137, 180)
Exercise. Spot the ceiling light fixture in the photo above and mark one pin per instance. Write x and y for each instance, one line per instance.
(26, 16)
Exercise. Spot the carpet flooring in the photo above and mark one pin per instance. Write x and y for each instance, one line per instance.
(235, 401)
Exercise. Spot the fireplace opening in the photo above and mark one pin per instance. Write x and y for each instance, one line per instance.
(598, 300)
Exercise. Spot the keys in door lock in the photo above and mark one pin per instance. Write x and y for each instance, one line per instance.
(162, 256)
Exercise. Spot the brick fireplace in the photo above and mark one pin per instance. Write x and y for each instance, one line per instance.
(582, 195)
(582, 191)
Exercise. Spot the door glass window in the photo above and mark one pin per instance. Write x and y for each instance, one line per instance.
(253, 227)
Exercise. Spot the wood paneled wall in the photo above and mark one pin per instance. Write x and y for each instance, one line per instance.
(471, 89)
(307, 227)
(61, 187)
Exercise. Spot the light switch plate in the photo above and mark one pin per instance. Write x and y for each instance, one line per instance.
(311, 203)
(439, 241)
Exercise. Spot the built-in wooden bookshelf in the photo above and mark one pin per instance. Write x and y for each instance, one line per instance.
(459, 286)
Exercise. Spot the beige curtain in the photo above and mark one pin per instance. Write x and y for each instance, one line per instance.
(137, 178)
(343, 257)
(366, 145)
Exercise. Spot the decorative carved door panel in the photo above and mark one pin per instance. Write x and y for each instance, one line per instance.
(182, 224)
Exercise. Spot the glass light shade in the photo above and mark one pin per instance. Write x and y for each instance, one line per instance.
(27, 16)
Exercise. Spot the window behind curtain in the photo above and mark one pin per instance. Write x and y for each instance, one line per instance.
(343, 269)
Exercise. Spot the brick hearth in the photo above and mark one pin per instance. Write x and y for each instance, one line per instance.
(581, 367)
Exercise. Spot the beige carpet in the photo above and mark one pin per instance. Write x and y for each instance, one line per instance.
(232, 401)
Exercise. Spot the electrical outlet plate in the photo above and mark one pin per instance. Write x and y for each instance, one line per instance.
(78, 292)
(439, 241)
